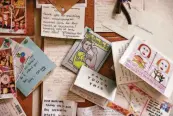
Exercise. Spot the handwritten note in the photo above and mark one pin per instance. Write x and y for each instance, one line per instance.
(96, 83)
(123, 75)
(60, 80)
(97, 111)
(70, 25)
(35, 70)
(54, 107)
(11, 107)
(103, 10)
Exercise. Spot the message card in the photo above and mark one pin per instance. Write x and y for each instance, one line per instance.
(150, 65)
(69, 25)
(7, 78)
(123, 75)
(20, 54)
(35, 70)
(91, 52)
(11, 107)
(95, 83)
(53, 107)
(13, 16)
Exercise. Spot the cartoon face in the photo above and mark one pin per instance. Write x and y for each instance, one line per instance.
(163, 65)
(145, 50)
(87, 45)
(5, 17)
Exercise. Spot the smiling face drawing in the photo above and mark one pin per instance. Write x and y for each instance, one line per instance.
(87, 45)
(145, 51)
(163, 65)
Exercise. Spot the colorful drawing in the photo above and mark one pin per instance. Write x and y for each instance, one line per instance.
(86, 56)
(163, 67)
(91, 52)
(145, 53)
(12, 16)
(165, 107)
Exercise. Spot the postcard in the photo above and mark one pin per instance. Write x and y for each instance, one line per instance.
(91, 52)
(60, 79)
(69, 26)
(20, 54)
(11, 107)
(123, 75)
(7, 77)
(13, 16)
(35, 70)
(93, 82)
(54, 107)
(150, 65)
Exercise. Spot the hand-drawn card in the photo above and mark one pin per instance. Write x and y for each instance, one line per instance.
(20, 54)
(7, 79)
(91, 52)
(11, 107)
(35, 70)
(150, 65)
(123, 75)
(96, 83)
(13, 16)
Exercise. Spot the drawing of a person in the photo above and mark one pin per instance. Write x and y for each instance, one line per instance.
(143, 56)
(163, 67)
(86, 56)
(6, 20)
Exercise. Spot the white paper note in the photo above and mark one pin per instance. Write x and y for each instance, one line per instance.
(70, 25)
(103, 10)
(123, 75)
(11, 107)
(54, 107)
(97, 111)
(60, 80)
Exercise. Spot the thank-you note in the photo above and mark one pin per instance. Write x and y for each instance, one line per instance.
(35, 70)
(150, 65)
(53, 107)
(70, 25)
(96, 83)
(91, 52)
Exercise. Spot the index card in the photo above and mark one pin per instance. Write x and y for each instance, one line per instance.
(54, 107)
(69, 25)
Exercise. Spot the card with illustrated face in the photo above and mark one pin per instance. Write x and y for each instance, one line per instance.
(150, 65)
(7, 79)
(91, 52)
(20, 55)
(95, 83)
(13, 16)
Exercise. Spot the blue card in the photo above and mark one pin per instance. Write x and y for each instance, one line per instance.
(35, 70)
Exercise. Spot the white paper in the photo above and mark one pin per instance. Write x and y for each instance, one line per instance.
(60, 80)
(91, 81)
(103, 10)
(123, 75)
(54, 107)
(97, 111)
(11, 107)
(70, 25)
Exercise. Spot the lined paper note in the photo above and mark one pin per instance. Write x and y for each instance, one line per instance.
(60, 80)
(103, 10)
(70, 25)
(54, 107)
(97, 111)
(123, 75)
